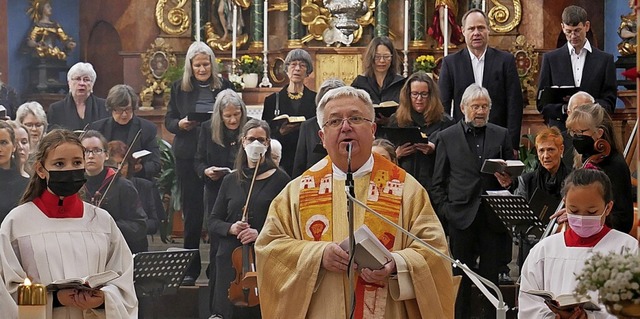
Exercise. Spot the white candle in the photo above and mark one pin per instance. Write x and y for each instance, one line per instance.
(235, 32)
(265, 25)
(32, 301)
(446, 30)
(484, 5)
(197, 20)
(406, 26)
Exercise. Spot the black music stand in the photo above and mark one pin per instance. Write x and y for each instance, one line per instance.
(160, 273)
(517, 217)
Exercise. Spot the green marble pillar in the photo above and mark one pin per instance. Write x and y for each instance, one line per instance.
(294, 24)
(382, 18)
(257, 18)
(417, 23)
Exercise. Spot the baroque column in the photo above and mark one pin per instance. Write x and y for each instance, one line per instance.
(418, 27)
(257, 18)
(382, 18)
(294, 25)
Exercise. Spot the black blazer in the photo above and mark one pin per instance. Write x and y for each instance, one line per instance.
(151, 164)
(290, 141)
(598, 79)
(308, 140)
(621, 216)
(211, 154)
(63, 114)
(182, 103)
(500, 78)
(457, 180)
(390, 90)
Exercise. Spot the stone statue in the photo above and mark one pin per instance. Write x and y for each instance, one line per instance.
(332, 35)
(436, 30)
(47, 38)
(346, 13)
(628, 31)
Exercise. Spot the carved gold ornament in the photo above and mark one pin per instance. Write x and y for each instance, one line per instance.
(317, 19)
(173, 21)
(155, 63)
(527, 67)
(499, 15)
(216, 39)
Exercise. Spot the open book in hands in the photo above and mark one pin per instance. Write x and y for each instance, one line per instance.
(512, 167)
(95, 281)
(369, 251)
(289, 119)
(225, 170)
(565, 301)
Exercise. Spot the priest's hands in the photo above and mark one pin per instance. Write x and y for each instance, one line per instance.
(335, 258)
(80, 298)
(563, 313)
(379, 276)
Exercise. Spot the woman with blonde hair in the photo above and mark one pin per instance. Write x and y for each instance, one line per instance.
(32, 115)
(420, 107)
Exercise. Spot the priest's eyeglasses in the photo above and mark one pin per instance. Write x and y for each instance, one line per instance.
(352, 120)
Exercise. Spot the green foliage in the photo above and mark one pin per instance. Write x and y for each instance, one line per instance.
(174, 72)
(168, 186)
(528, 154)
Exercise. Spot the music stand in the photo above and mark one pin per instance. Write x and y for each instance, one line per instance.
(517, 217)
(160, 273)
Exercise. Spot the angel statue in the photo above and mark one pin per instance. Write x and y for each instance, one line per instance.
(47, 37)
(219, 31)
(627, 31)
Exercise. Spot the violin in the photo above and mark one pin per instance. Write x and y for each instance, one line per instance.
(603, 149)
(243, 291)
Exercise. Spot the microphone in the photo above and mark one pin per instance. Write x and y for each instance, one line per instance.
(481, 282)
(349, 181)
(349, 186)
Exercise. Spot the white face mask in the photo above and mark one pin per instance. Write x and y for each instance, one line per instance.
(254, 151)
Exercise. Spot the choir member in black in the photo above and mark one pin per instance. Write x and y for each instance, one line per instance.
(123, 125)
(80, 107)
(550, 174)
(23, 143)
(309, 150)
(381, 77)
(295, 99)
(147, 190)
(32, 115)
(120, 200)
(420, 106)
(586, 124)
(12, 184)
(226, 217)
(196, 90)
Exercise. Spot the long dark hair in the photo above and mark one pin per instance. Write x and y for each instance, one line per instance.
(48, 143)
(434, 110)
(369, 56)
(15, 157)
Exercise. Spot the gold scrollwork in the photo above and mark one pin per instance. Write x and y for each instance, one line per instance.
(177, 19)
(317, 18)
(499, 15)
(155, 63)
(527, 67)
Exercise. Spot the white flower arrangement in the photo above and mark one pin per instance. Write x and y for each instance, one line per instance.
(238, 84)
(616, 278)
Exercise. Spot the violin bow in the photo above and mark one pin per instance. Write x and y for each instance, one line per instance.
(245, 210)
(133, 142)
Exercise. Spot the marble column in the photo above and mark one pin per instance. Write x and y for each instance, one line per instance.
(382, 18)
(294, 25)
(257, 16)
(418, 24)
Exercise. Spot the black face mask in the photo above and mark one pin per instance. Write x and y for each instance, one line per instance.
(584, 144)
(66, 183)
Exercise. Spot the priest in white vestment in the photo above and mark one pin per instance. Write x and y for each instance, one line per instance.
(302, 272)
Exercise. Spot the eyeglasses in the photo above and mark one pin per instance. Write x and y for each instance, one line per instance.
(300, 65)
(352, 120)
(81, 79)
(423, 95)
(477, 107)
(121, 111)
(578, 132)
(382, 57)
(33, 125)
(97, 151)
(262, 140)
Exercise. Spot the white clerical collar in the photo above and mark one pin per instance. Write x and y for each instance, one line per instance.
(362, 171)
(474, 57)
(587, 46)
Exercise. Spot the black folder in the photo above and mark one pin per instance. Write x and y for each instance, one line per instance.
(556, 95)
(199, 116)
(543, 205)
(401, 135)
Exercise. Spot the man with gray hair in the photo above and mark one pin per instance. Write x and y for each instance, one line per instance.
(458, 184)
(577, 64)
(302, 271)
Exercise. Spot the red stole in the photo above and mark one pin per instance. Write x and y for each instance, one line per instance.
(384, 196)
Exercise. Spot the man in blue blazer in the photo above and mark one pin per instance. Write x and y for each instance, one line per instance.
(488, 67)
(458, 185)
(577, 64)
